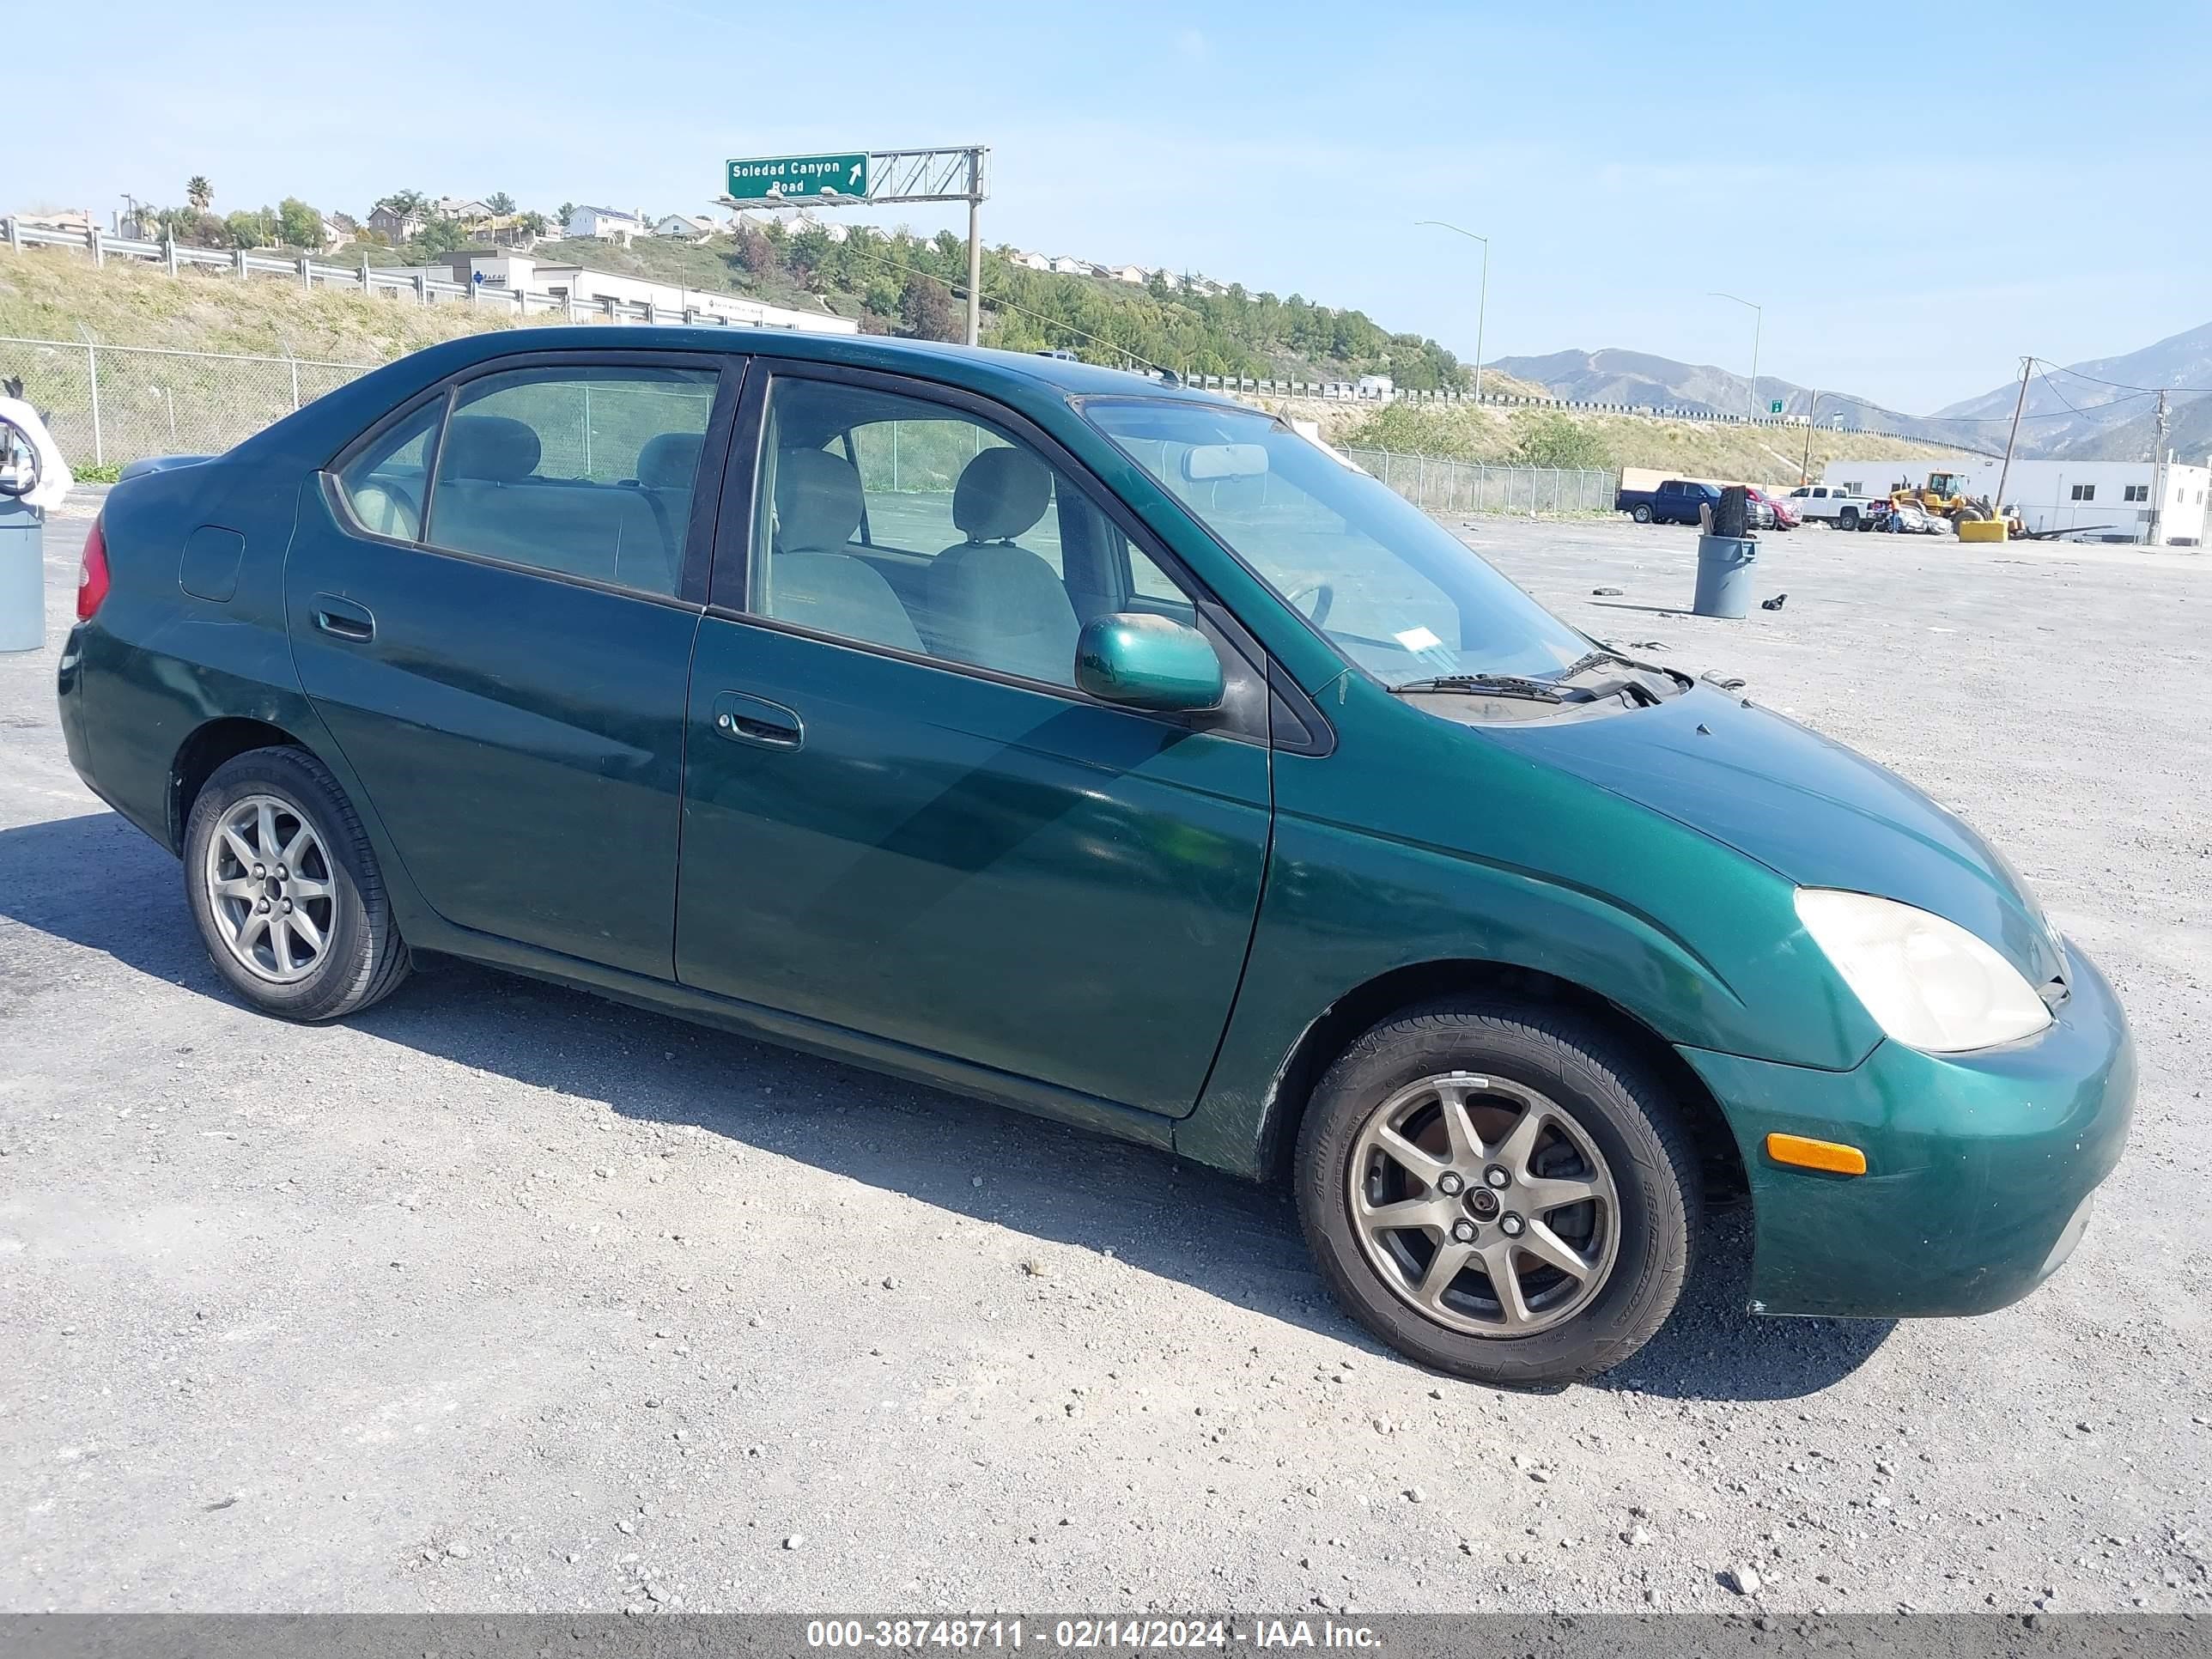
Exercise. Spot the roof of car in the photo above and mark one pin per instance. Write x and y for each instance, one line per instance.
(1066, 376)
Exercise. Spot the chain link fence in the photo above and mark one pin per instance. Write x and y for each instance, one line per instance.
(107, 405)
(1442, 486)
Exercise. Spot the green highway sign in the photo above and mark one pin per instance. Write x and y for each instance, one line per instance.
(798, 178)
(1775, 408)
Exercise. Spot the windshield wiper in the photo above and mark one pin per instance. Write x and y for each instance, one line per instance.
(1502, 685)
(1590, 660)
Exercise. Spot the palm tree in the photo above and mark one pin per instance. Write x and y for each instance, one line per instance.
(198, 191)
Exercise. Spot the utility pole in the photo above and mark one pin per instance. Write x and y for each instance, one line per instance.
(1758, 323)
(1812, 418)
(2157, 535)
(1482, 301)
(2005, 472)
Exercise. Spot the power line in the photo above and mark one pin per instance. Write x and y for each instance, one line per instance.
(2122, 386)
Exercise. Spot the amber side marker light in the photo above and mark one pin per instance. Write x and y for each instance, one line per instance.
(1804, 1154)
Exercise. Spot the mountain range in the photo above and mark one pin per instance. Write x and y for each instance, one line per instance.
(2095, 409)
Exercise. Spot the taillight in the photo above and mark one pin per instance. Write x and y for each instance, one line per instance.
(92, 574)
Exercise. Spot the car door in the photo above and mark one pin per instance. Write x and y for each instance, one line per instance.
(492, 602)
(901, 817)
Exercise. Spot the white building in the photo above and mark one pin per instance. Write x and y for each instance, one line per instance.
(589, 287)
(686, 227)
(792, 220)
(602, 224)
(2100, 500)
(1028, 261)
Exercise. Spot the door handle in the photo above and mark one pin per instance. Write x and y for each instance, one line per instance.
(756, 720)
(342, 619)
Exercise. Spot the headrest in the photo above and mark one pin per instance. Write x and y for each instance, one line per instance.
(1001, 493)
(497, 448)
(670, 461)
(818, 500)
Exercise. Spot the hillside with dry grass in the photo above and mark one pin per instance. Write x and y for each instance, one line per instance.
(1573, 437)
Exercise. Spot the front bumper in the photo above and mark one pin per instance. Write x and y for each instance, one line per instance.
(1979, 1166)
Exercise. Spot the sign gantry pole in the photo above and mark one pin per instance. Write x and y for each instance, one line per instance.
(880, 178)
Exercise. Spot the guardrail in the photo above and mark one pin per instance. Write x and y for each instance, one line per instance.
(422, 289)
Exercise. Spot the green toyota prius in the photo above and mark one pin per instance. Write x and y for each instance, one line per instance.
(1107, 750)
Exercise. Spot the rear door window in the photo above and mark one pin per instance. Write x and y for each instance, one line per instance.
(585, 471)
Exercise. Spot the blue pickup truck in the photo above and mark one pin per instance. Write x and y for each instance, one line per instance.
(1674, 502)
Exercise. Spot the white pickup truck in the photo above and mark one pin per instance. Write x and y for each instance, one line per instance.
(1833, 504)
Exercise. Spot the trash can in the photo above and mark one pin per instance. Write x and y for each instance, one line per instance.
(1724, 566)
(22, 575)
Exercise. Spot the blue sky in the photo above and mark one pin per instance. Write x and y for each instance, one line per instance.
(1917, 194)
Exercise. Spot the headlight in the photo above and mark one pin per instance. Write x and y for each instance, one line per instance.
(1929, 983)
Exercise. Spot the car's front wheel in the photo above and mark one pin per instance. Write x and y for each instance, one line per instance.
(1641, 513)
(1503, 1192)
(285, 888)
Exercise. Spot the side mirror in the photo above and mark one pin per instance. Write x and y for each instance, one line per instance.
(1148, 662)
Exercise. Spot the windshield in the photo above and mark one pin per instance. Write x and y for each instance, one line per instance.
(1394, 591)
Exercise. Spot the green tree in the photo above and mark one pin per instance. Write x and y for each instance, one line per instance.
(199, 192)
(437, 237)
(532, 225)
(500, 202)
(1553, 439)
(925, 308)
(298, 225)
(250, 229)
(565, 212)
(752, 251)
(191, 226)
(405, 202)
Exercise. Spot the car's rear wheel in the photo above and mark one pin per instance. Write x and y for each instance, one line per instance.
(1848, 518)
(285, 888)
(1641, 513)
(1501, 1191)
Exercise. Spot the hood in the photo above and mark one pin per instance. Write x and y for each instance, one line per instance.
(1807, 808)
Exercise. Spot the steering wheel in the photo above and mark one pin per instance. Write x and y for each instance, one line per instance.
(14, 441)
(1323, 595)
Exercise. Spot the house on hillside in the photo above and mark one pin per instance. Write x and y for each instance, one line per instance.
(1028, 261)
(1068, 265)
(76, 220)
(340, 228)
(394, 227)
(602, 224)
(1135, 273)
(463, 209)
(684, 227)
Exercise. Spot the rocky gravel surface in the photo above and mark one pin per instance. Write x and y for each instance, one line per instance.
(502, 1298)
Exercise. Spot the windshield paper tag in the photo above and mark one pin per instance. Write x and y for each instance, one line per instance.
(1417, 639)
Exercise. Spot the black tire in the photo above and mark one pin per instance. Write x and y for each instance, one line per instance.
(1641, 513)
(1848, 519)
(363, 959)
(1587, 1071)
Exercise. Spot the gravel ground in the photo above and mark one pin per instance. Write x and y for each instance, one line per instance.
(502, 1297)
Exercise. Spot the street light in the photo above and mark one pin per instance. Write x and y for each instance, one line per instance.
(1758, 321)
(1482, 303)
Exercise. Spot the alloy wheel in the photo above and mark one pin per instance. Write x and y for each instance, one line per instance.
(270, 888)
(1483, 1205)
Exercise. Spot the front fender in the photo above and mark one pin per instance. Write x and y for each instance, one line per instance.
(1419, 841)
